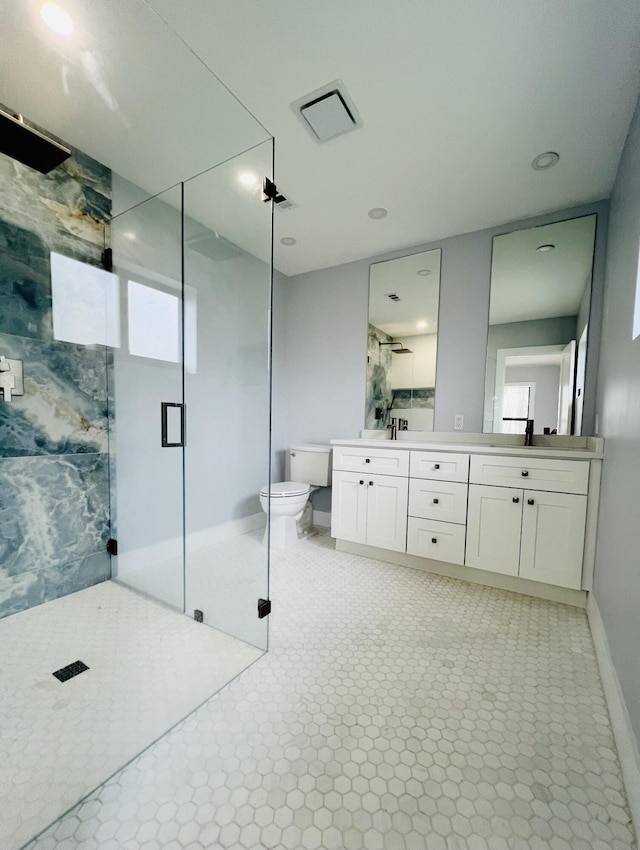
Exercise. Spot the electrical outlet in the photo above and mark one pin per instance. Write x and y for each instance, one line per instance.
(458, 422)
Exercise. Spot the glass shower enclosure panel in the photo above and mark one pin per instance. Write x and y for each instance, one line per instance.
(227, 312)
(147, 464)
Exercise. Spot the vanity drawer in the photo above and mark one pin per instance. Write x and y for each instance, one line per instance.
(441, 541)
(440, 500)
(439, 466)
(380, 461)
(555, 476)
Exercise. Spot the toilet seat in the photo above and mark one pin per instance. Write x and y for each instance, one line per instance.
(286, 488)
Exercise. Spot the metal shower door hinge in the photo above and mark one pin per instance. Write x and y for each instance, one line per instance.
(270, 192)
(264, 608)
(112, 546)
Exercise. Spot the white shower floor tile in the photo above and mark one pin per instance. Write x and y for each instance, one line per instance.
(396, 709)
(149, 667)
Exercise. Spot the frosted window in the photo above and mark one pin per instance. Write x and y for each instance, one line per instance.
(636, 309)
(86, 303)
(154, 323)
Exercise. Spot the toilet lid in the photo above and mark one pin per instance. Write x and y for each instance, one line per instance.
(286, 488)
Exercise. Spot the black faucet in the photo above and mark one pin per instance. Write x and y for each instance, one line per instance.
(528, 433)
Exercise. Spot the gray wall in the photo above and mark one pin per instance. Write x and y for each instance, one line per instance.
(617, 576)
(327, 334)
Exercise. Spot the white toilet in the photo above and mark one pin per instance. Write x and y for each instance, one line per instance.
(291, 511)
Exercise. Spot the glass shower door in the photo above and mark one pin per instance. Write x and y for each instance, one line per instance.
(147, 390)
(227, 274)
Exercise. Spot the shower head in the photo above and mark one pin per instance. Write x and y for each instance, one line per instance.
(29, 146)
(401, 350)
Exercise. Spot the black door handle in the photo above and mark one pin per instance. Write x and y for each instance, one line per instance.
(164, 416)
(516, 499)
(530, 502)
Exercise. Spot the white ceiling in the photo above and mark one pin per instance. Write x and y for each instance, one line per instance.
(527, 284)
(456, 97)
(418, 294)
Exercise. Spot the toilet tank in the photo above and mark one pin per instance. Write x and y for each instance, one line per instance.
(310, 464)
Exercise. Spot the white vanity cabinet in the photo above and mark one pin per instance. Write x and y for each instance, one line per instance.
(370, 508)
(537, 534)
(522, 519)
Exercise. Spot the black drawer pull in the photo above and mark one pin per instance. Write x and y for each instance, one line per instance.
(362, 482)
(530, 502)
(516, 499)
(436, 466)
(434, 539)
(371, 484)
(525, 473)
(435, 501)
(368, 460)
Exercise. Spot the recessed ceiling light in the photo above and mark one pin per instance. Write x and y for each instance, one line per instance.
(377, 213)
(421, 326)
(424, 272)
(545, 160)
(544, 248)
(57, 18)
(248, 179)
(288, 240)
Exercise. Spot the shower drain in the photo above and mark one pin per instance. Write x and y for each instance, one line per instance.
(71, 670)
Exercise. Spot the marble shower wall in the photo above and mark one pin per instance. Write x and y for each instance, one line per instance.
(379, 394)
(54, 463)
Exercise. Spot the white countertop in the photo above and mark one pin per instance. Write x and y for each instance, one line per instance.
(589, 448)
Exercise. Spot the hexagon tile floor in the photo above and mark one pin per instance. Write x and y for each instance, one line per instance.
(396, 709)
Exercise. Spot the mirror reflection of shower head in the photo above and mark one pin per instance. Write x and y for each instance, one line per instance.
(401, 350)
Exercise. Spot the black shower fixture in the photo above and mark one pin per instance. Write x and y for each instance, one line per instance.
(401, 350)
(29, 146)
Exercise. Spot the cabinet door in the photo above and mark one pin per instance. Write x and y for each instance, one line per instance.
(553, 526)
(388, 496)
(349, 506)
(493, 528)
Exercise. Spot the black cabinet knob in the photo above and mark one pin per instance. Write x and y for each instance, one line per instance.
(525, 473)
(434, 539)
(530, 502)
(435, 501)
(362, 482)
(368, 460)
(371, 484)
(436, 466)
(516, 499)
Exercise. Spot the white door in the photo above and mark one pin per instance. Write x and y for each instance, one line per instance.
(553, 538)
(493, 528)
(567, 388)
(349, 506)
(387, 512)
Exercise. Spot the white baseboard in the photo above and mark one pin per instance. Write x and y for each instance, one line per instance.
(566, 595)
(165, 550)
(626, 742)
(322, 519)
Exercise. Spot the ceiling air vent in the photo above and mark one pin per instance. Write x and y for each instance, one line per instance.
(283, 203)
(393, 297)
(328, 112)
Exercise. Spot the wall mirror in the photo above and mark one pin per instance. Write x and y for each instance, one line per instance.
(402, 341)
(538, 328)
